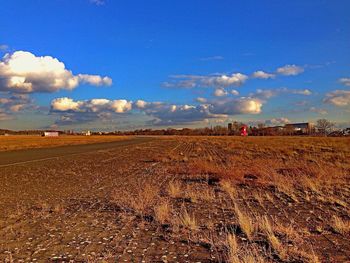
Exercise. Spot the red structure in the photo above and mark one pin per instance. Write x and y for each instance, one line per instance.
(244, 131)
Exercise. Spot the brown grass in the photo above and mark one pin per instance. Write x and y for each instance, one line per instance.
(17, 142)
(174, 189)
(188, 221)
(340, 226)
(245, 222)
(163, 211)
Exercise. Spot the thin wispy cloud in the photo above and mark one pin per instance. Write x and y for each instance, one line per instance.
(98, 2)
(3, 47)
(339, 98)
(345, 81)
(212, 58)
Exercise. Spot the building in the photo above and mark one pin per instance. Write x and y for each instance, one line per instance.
(51, 134)
(302, 128)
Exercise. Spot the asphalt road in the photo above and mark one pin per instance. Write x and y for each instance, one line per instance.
(10, 158)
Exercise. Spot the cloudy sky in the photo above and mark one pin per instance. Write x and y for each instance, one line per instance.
(109, 64)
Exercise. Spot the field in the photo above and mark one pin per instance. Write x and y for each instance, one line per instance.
(18, 142)
(182, 199)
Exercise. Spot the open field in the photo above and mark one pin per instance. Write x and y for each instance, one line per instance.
(17, 142)
(182, 199)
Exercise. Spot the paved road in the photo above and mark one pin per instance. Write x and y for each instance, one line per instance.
(17, 157)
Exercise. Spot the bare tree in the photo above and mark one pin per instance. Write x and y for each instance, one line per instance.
(324, 126)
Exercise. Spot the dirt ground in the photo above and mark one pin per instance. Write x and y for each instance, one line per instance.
(17, 142)
(182, 199)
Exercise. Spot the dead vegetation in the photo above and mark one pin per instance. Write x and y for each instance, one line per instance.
(18, 142)
(204, 200)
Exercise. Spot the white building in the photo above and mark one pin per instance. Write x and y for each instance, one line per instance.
(51, 134)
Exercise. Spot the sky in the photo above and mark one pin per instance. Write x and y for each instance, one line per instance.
(121, 65)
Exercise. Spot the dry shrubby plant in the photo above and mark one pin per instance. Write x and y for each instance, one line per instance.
(163, 211)
(188, 221)
(141, 202)
(174, 189)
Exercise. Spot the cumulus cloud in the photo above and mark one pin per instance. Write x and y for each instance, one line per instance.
(220, 92)
(339, 98)
(234, 106)
(269, 93)
(234, 92)
(345, 81)
(216, 81)
(16, 103)
(23, 72)
(201, 100)
(160, 113)
(262, 75)
(170, 114)
(290, 70)
(93, 106)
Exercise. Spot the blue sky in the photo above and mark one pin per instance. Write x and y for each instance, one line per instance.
(156, 58)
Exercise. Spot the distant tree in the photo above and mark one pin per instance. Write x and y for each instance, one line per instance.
(324, 126)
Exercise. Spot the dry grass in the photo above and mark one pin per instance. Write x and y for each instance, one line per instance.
(188, 221)
(18, 142)
(233, 250)
(241, 254)
(174, 189)
(274, 242)
(142, 202)
(227, 186)
(197, 195)
(340, 226)
(163, 211)
(245, 222)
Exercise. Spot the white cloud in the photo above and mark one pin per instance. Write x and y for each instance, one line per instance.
(71, 111)
(318, 110)
(243, 105)
(16, 103)
(269, 93)
(3, 47)
(66, 104)
(201, 100)
(216, 81)
(212, 58)
(23, 72)
(290, 70)
(141, 104)
(345, 81)
(234, 92)
(220, 92)
(92, 106)
(98, 2)
(277, 121)
(121, 106)
(340, 98)
(262, 75)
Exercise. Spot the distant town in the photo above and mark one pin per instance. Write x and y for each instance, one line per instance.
(322, 127)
